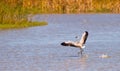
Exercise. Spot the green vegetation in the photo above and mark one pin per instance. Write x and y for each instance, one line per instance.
(22, 25)
(13, 15)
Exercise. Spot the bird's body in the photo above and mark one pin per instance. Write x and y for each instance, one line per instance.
(78, 44)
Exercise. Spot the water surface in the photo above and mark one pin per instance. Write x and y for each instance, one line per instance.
(39, 49)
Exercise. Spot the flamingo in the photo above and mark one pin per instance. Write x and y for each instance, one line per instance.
(78, 44)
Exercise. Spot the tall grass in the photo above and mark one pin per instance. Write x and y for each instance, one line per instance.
(14, 15)
(11, 13)
(72, 6)
(14, 12)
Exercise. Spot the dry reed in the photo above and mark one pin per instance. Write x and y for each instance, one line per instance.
(73, 6)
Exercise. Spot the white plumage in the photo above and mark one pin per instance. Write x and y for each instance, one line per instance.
(79, 44)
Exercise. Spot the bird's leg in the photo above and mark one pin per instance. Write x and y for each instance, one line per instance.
(81, 51)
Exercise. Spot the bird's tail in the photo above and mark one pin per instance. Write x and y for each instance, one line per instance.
(83, 47)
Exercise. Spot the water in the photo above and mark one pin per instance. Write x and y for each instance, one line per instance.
(39, 49)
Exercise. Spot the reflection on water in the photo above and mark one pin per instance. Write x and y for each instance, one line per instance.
(39, 49)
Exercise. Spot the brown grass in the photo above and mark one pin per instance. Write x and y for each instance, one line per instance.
(73, 6)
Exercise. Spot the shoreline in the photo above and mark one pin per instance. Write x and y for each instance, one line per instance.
(22, 25)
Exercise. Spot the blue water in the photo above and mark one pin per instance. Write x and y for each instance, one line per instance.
(39, 49)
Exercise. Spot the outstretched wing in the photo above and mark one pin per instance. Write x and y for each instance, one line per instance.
(69, 43)
(84, 37)
(77, 44)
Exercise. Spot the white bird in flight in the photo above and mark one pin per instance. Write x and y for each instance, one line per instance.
(78, 44)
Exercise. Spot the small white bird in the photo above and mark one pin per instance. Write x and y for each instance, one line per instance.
(78, 44)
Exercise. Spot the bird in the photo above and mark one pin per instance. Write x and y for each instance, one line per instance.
(78, 44)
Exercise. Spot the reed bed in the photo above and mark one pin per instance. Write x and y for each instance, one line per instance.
(15, 12)
(14, 15)
(72, 6)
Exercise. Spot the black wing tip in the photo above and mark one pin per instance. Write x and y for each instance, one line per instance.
(64, 44)
(86, 32)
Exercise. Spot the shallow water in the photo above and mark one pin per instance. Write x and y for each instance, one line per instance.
(39, 49)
